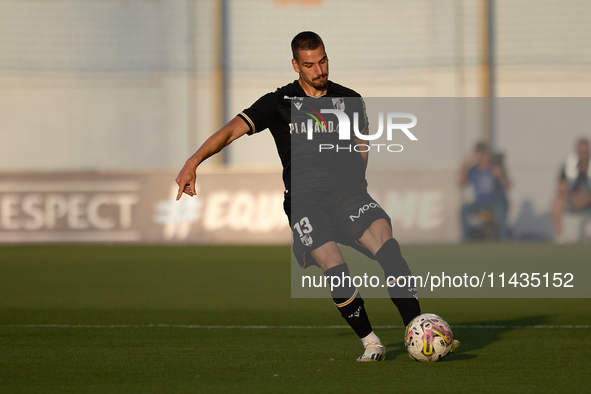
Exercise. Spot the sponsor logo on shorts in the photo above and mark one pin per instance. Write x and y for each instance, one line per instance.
(364, 209)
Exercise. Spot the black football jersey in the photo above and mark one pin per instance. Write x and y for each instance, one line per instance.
(288, 113)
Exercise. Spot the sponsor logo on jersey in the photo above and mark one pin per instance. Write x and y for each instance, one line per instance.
(314, 124)
(316, 127)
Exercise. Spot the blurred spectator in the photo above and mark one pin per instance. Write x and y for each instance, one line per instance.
(574, 187)
(489, 180)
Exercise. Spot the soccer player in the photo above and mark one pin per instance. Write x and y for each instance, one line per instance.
(319, 216)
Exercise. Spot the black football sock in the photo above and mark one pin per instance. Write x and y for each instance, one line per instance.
(403, 294)
(347, 299)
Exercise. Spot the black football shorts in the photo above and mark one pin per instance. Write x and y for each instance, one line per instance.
(340, 216)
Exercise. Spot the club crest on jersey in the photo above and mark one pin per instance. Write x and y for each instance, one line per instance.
(338, 103)
(306, 240)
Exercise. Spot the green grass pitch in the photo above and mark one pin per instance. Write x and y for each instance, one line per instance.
(118, 319)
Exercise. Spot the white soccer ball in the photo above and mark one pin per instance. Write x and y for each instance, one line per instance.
(428, 338)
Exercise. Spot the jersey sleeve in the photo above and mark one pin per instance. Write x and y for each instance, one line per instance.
(363, 121)
(258, 117)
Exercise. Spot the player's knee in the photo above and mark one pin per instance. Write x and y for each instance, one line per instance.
(327, 256)
(390, 258)
(389, 250)
(329, 262)
(376, 235)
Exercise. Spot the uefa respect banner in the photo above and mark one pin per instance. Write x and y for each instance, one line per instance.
(332, 137)
(141, 207)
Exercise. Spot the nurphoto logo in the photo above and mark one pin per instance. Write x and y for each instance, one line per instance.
(344, 130)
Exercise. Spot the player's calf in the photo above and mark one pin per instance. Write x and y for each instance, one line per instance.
(397, 273)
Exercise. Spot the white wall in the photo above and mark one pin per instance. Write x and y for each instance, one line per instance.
(100, 85)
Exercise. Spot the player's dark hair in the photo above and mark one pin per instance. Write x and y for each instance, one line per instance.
(305, 41)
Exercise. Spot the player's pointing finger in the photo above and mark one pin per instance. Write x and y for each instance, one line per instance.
(180, 192)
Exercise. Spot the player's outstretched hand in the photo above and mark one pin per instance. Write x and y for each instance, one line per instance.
(186, 180)
(222, 138)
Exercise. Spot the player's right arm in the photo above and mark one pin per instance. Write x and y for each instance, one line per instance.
(234, 129)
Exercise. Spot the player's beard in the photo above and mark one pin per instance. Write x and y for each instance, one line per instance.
(321, 85)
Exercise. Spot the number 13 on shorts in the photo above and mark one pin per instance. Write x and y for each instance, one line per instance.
(303, 226)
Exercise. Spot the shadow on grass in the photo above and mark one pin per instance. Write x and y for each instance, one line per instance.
(473, 335)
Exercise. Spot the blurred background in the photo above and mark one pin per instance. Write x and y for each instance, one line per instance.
(102, 101)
